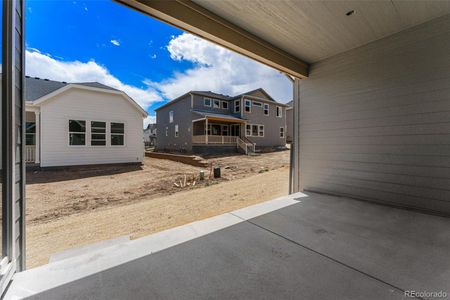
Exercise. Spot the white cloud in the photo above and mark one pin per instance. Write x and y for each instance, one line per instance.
(153, 56)
(115, 42)
(44, 66)
(219, 70)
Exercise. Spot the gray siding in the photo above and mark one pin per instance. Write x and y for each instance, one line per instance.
(289, 124)
(183, 117)
(375, 121)
(199, 105)
(271, 123)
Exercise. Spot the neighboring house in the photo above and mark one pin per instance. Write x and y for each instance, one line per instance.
(80, 124)
(289, 121)
(207, 122)
(150, 135)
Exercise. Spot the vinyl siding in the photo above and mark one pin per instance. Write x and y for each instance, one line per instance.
(375, 121)
(271, 123)
(183, 117)
(92, 106)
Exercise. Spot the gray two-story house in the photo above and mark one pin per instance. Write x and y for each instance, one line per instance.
(207, 122)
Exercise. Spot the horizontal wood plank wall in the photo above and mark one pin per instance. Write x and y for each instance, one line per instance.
(375, 121)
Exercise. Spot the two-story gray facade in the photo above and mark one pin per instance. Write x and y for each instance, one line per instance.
(207, 122)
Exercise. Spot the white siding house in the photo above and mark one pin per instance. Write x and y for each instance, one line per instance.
(81, 124)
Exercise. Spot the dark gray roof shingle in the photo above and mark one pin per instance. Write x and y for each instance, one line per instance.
(36, 88)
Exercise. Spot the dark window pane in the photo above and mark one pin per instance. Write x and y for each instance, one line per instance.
(98, 137)
(77, 139)
(117, 128)
(98, 143)
(31, 127)
(30, 139)
(116, 140)
(77, 126)
(98, 127)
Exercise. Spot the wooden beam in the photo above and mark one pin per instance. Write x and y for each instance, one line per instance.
(197, 20)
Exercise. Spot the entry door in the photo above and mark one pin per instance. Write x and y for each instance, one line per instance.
(235, 129)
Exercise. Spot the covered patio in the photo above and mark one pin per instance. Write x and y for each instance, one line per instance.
(304, 246)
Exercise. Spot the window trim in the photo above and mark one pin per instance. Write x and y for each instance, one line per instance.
(123, 134)
(204, 101)
(268, 109)
(279, 112)
(257, 103)
(176, 132)
(105, 134)
(86, 122)
(259, 126)
(249, 106)
(222, 103)
(171, 114)
(167, 131)
(214, 103)
(282, 133)
(238, 106)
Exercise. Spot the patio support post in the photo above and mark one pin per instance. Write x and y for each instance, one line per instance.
(206, 130)
(37, 115)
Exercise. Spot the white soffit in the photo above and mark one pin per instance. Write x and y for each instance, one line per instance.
(315, 30)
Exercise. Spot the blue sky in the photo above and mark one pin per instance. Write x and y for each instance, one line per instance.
(153, 62)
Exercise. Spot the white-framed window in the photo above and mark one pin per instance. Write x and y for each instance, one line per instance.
(30, 136)
(216, 103)
(237, 106)
(167, 131)
(248, 106)
(281, 132)
(176, 130)
(117, 134)
(279, 112)
(257, 104)
(77, 132)
(254, 130)
(171, 116)
(224, 104)
(207, 102)
(98, 133)
(266, 109)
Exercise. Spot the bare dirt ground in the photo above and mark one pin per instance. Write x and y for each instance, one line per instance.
(74, 207)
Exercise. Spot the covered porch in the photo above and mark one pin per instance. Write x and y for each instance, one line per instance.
(216, 129)
(32, 137)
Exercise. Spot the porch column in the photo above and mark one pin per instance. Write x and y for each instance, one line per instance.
(37, 116)
(206, 130)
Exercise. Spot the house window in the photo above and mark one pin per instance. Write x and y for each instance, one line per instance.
(258, 104)
(254, 130)
(279, 112)
(248, 130)
(77, 133)
(30, 133)
(281, 132)
(98, 133)
(248, 106)
(167, 131)
(176, 130)
(207, 102)
(224, 104)
(117, 134)
(237, 106)
(266, 109)
(216, 103)
(261, 130)
(171, 116)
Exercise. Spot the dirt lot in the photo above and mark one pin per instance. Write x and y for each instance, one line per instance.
(73, 207)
